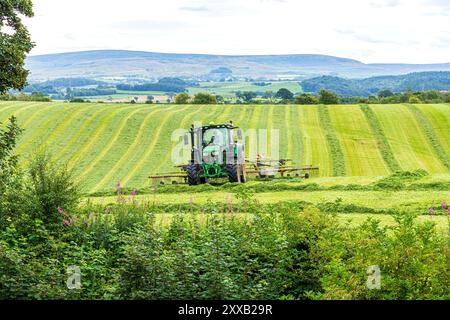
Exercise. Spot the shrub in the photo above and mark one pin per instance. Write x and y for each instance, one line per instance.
(52, 193)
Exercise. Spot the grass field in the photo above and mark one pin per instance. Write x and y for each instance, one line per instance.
(107, 142)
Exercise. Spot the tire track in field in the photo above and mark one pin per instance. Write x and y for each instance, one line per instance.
(94, 137)
(151, 147)
(337, 154)
(382, 142)
(432, 138)
(42, 129)
(131, 148)
(111, 142)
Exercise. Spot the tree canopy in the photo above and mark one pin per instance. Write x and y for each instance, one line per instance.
(284, 94)
(15, 43)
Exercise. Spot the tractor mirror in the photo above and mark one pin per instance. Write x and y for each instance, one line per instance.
(239, 134)
(186, 139)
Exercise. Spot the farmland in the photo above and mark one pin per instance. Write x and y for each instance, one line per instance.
(380, 198)
(107, 142)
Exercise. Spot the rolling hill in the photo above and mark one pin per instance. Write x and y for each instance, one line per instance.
(420, 81)
(106, 142)
(119, 64)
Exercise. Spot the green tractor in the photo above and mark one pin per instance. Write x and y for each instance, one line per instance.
(215, 154)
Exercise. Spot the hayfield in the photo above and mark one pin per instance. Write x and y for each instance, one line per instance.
(107, 142)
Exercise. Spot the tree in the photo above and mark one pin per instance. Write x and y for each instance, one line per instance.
(327, 97)
(204, 98)
(182, 98)
(385, 93)
(284, 94)
(150, 99)
(247, 96)
(306, 99)
(9, 172)
(14, 44)
(414, 100)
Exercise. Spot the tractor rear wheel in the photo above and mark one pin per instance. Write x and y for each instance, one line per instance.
(232, 170)
(192, 175)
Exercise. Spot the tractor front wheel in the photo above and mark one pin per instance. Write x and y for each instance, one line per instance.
(192, 175)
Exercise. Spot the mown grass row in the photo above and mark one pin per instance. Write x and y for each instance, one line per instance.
(336, 151)
(383, 144)
(104, 143)
(431, 135)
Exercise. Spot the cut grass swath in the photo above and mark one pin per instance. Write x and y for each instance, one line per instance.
(431, 135)
(337, 155)
(383, 144)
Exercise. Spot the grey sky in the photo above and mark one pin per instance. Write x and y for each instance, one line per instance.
(410, 31)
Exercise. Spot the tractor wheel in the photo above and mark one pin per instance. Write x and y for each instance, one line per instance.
(232, 170)
(192, 175)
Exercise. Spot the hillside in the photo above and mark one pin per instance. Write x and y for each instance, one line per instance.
(371, 86)
(118, 64)
(104, 142)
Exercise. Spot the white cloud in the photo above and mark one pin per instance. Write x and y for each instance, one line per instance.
(412, 31)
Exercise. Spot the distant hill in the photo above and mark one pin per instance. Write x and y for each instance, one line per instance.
(125, 65)
(371, 86)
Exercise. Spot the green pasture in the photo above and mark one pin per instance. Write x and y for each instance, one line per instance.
(104, 143)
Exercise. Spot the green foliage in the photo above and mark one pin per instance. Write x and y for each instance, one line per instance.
(51, 192)
(383, 144)
(336, 151)
(182, 98)
(14, 46)
(204, 98)
(420, 81)
(284, 94)
(327, 97)
(419, 272)
(35, 96)
(246, 96)
(10, 177)
(305, 99)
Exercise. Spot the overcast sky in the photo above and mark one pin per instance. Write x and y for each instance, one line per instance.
(410, 31)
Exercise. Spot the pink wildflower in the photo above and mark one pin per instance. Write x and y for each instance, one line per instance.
(60, 210)
(66, 222)
(431, 211)
(134, 192)
(443, 205)
(118, 185)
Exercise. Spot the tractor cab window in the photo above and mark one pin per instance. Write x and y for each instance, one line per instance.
(217, 137)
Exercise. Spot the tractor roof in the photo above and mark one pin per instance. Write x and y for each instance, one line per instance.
(217, 126)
